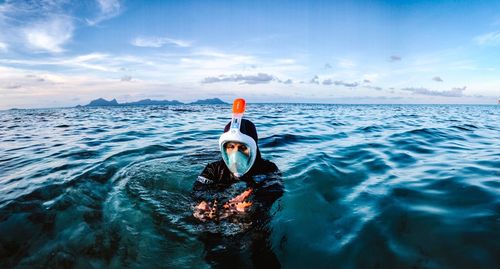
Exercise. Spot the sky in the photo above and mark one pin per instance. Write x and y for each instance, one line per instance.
(65, 53)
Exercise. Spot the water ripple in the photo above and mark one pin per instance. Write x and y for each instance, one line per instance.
(402, 186)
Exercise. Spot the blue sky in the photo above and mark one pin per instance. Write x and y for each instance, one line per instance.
(64, 53)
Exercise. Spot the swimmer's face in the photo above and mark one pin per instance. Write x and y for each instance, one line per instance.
(235, 146)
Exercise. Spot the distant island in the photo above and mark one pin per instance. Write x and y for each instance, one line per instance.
(213, 101)
(145, 102)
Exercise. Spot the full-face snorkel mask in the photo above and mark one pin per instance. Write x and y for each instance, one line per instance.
(238, 162)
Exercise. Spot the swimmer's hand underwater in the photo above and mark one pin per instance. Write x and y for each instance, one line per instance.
(238, 203)
(204, 211)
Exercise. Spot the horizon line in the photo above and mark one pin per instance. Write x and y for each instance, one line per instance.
(256, 103)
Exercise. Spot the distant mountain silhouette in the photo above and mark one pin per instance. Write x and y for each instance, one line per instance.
(213, 101)
(104, 102)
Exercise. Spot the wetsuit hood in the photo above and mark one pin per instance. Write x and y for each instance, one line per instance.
(245, 133)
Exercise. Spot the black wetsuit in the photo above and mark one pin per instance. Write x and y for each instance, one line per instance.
(264, 177)
(215, 181)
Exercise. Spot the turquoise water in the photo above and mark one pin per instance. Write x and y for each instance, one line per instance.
(367, 186)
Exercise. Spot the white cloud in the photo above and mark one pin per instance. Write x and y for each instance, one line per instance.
(260, 78)
(90, 57)
(157, 42)
(59, 90)
(454, 92)
(47, 26)
(3, 47)
(92, 61)
(25, 89)
(109, 6)
(15, 80)
(49, 35)
(40, 26)
(107, 10)
(489, 39)
(346, 84)
(346, 63)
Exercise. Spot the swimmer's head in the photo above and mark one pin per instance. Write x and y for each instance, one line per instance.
(238, 144)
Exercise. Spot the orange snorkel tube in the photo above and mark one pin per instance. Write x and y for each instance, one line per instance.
(238, 111)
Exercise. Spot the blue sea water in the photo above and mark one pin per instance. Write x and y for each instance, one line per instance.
(366, 186)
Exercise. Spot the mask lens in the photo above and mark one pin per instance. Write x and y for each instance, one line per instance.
(237, 157)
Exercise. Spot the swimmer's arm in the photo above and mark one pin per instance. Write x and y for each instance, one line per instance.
(202, 194)
(204, 185)
(207, 176)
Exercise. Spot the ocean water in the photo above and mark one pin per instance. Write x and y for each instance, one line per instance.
(366, 186)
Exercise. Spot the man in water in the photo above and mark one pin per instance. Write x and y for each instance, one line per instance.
(248, 185)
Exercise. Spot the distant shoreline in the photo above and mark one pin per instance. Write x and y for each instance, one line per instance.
(250, 103)
(100, 102)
